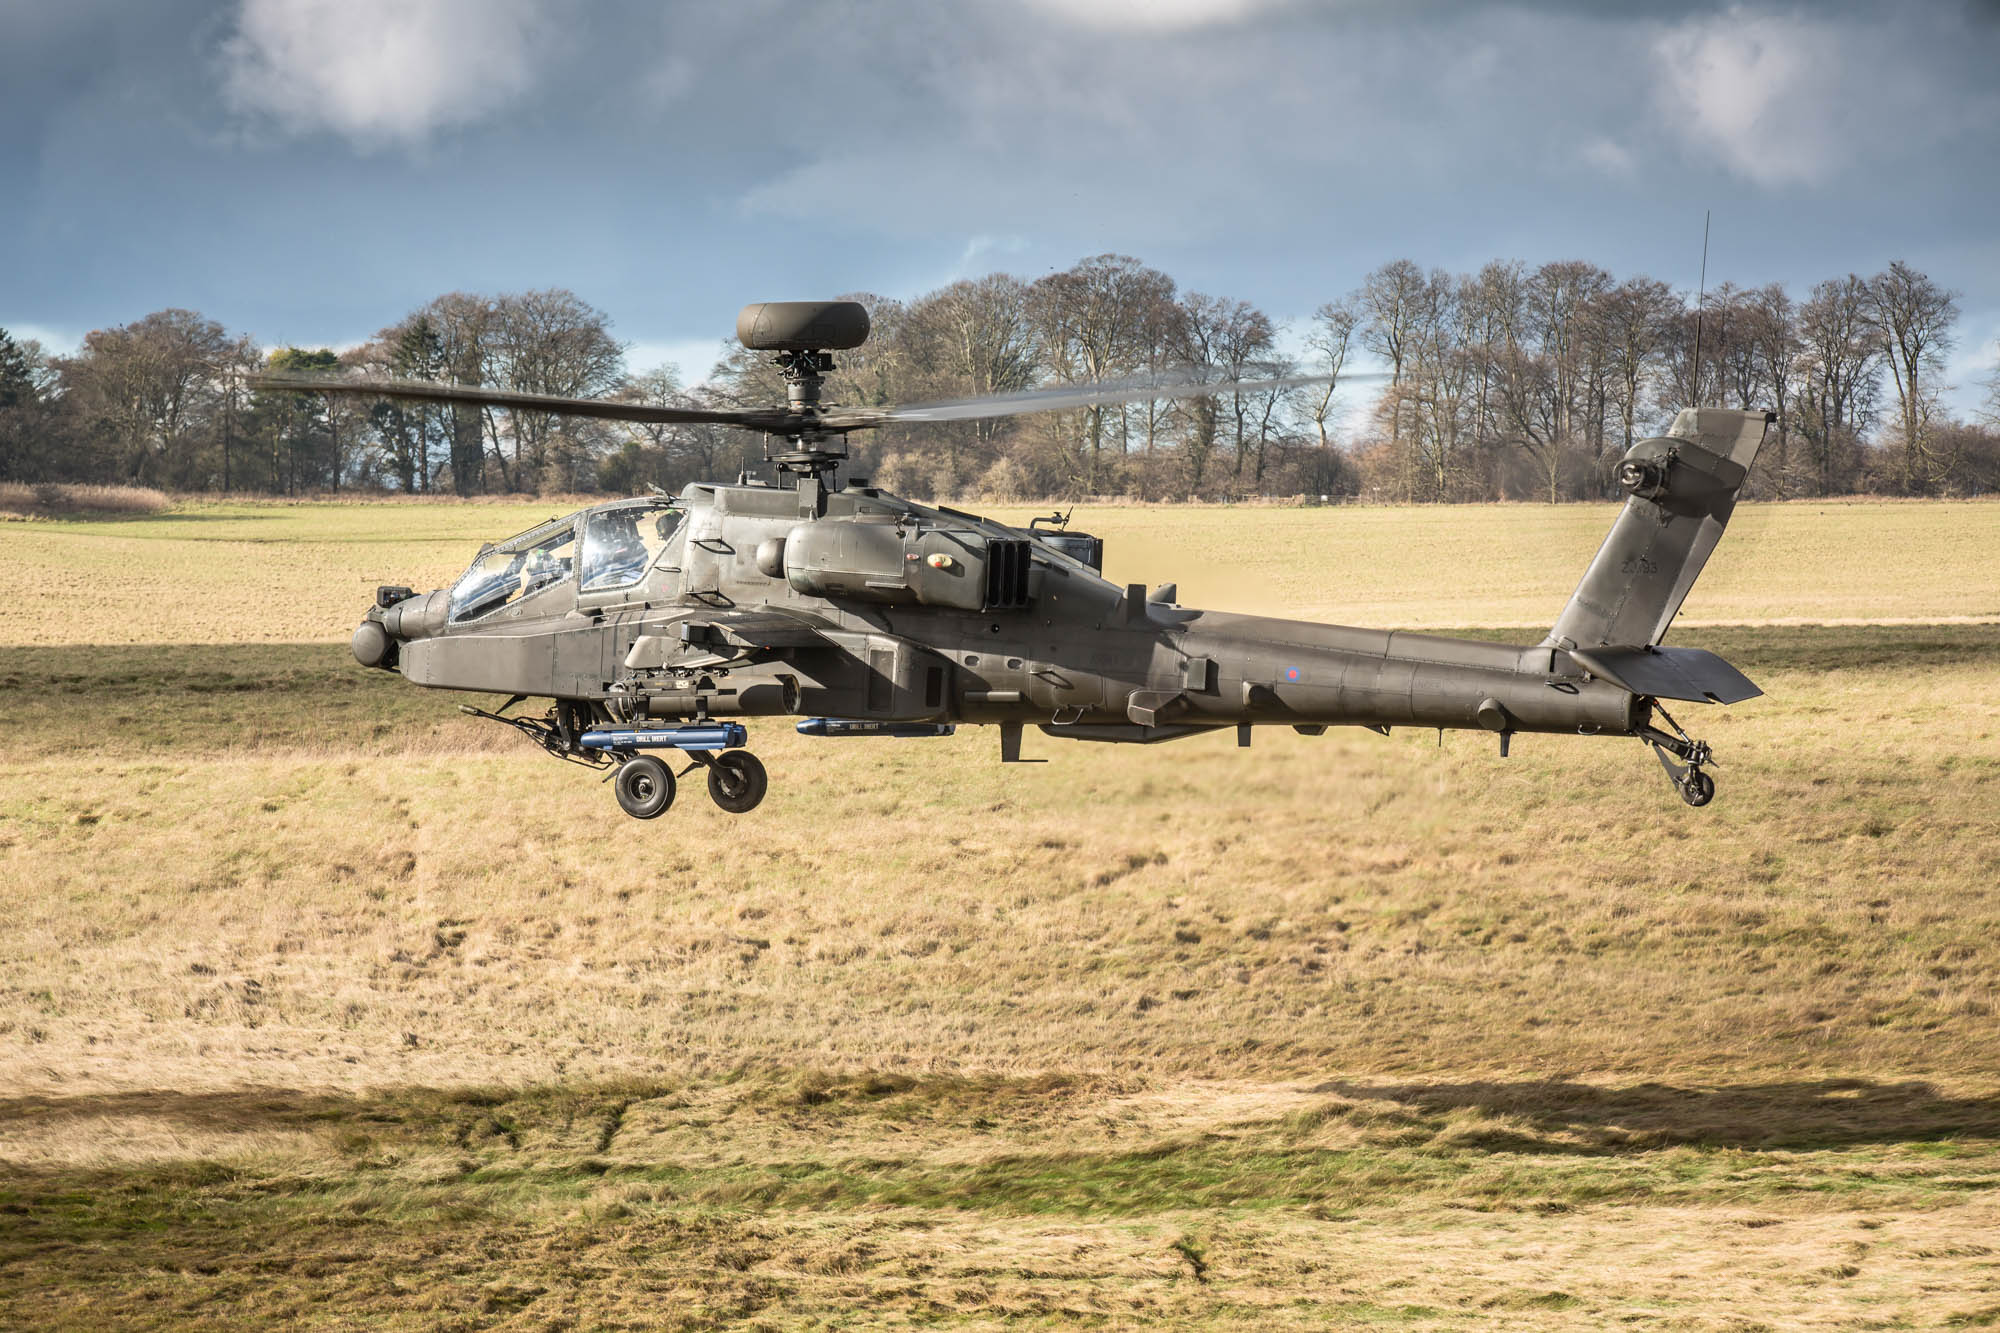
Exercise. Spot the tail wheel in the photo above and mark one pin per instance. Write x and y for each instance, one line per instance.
(645, 787)
(737, 781)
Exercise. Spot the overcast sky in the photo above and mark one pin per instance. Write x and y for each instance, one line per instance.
(309, 170)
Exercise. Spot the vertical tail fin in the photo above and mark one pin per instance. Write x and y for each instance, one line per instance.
(1683, 488)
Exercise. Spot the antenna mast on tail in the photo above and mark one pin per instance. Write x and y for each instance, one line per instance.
(1700, 303)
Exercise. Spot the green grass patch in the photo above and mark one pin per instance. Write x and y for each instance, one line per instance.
(403, 1202)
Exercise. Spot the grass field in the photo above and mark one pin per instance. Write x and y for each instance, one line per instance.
(325, 1005)
(295, 573)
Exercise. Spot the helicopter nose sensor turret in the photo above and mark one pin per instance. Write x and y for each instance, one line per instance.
(399, 614)
(371, 643)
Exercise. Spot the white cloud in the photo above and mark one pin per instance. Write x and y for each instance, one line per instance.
(982, 250)
(1974, 366)
(55, 342)
(1755, 89)
(1148, 15)
(381, 71)
(1608, 156)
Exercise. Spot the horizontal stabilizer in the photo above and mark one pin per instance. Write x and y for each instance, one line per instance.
(1668, 673)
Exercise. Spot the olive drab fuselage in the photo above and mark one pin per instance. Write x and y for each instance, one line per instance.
(857, 607)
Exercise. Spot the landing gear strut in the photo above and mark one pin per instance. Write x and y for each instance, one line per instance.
(645, 786)
(1684, 758)
(583, 733)
(736, 782)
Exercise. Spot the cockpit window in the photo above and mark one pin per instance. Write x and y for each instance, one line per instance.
(535, 560)
(621, 543)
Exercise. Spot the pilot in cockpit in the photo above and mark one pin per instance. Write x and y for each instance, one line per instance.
(543, 568)
(613, 554)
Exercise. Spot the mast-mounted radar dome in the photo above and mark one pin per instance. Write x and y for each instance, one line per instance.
(802, 326)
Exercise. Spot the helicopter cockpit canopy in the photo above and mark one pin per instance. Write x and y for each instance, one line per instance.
(520, 567)
(620, 543)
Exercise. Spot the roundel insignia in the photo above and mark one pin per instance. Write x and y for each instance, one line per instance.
(1293, 673)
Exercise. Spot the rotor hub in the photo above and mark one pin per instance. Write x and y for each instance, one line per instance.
(814, 450)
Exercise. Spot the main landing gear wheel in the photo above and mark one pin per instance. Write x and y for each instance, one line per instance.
(645, 787)
(737, 781)
(1698, 788)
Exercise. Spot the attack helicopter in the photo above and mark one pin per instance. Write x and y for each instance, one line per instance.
(656, 625)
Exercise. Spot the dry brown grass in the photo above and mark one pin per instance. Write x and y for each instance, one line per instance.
(1431, 567)
(20, 501)
(325, 1005)
(289, 572)
(441, 903)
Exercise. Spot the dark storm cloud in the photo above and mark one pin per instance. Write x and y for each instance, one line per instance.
(311, 169)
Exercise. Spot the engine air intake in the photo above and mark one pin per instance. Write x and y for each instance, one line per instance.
(1006, 575)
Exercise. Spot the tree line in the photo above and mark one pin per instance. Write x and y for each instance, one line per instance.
(1509, 383)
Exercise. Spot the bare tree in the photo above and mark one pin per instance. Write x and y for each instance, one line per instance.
(984, 334)
(1507, 381)
(1770, 327)
(967, 340)
(1242, 337)
(147, 389)
(1551, 367)
(1270, 410)
(551, 342)
(1331, 335)
(668, 456)
(462, 325)
(1437, 384)
(1492, 313)
(1201, 331)
(1388, 300)
(1634, 319)
(1838, 377)
(1092, 322)
(658, 387)
(1164, 339)
(1730, 347)
(243, 358)
(1913, 318)
(1698, 350)
(1559, 296)
(1525, 389)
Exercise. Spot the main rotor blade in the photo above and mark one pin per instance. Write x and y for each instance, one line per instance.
(425, 391)
(784, 422)
(1064, 398)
